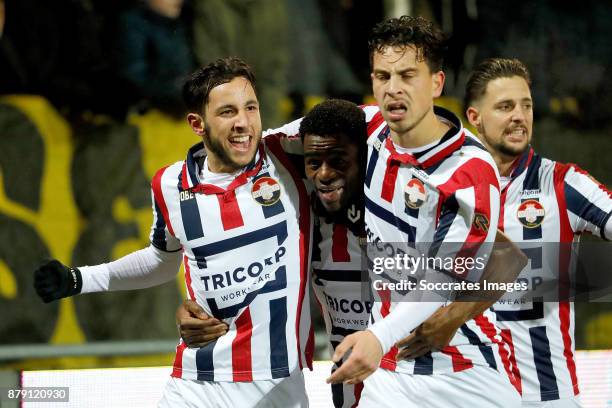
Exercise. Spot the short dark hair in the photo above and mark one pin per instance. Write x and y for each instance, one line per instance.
(335, 117)
(490, 70)
(428, 40)
(199, 84)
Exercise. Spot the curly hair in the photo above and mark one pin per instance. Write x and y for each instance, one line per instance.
(429, 41)
(201, 82)
(490, 70)
(334, 117)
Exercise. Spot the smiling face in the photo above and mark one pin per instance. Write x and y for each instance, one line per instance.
(332, 164)
(230, 126)
(504, 116)
(404, 87)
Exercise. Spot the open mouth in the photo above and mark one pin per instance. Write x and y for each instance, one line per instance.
(241, 143)
(396, 110)
(330, 194)
(517, 134)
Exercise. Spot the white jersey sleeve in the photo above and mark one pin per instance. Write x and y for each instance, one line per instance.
(141, 269)
(589, 203)
(405, 318)
(289, 137)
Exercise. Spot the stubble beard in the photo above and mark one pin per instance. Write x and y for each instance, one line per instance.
(502, 147)
(214, 146)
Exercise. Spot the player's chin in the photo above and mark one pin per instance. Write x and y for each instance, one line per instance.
(331, 206)
(518, 148)
(241, 159)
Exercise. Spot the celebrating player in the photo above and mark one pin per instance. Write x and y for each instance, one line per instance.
(413, 145)
(334, 134)
(238, 216)
(567, 201)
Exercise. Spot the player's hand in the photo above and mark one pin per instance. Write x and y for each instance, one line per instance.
(196, 327)
(366, 353)
(433, 334)
(54, 280)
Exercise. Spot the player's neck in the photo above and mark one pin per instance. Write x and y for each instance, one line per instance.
(428, 130)
(504, 163)
(217, 166)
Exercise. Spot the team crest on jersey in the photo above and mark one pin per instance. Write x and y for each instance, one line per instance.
(266, 191)
(414, 193)
(530, 213)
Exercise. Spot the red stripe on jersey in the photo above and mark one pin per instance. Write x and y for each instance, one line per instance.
(584, 172)
(188, 279)
(357, 389)
(566, 236)
(460, 362)
(184, 177)
(515, 374)
(444, 152)
(242, 365)
(374, 123)
(490, 331)
(340, 244)
(388, 361)
(564, 317)
(230, 210)
(388, 187)
(159, 197)
(305, 230)
(481, 176)
(177, 367)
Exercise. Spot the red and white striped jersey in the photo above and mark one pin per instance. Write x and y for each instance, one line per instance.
(246, 253)
(336, 281)
(448, 193)
(547, 202)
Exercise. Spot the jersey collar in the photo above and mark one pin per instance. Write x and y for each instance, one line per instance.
(451, 141)
(192, 165)
(521, 163)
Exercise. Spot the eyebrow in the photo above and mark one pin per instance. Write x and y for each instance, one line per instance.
(232, 106)
(226, 106)
(403, 71)
(510, 100)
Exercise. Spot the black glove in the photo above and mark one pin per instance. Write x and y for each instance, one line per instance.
(54, 280)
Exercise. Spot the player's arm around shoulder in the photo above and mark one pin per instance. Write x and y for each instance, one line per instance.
(287, 137)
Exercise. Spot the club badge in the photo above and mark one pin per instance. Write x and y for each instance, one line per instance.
(530, 213)
(266, 191)
(414, 193)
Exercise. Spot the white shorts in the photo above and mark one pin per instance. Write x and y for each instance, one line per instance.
(472, 388)
(289, 392)
(573, 402)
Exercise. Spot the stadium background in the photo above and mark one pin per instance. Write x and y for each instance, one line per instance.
(80, 138)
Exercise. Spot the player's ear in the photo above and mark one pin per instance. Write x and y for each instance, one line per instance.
(437, 83)
(196, 122)
(473, 116)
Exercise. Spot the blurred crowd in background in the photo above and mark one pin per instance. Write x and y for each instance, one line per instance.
(116, 56)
